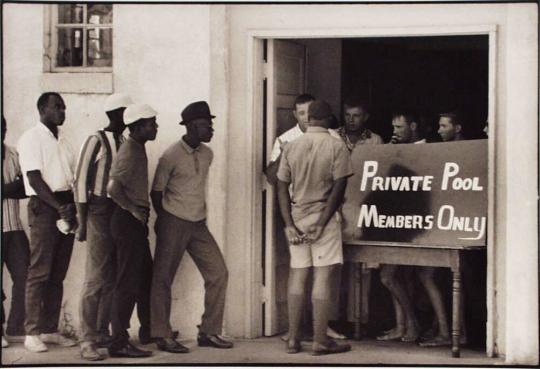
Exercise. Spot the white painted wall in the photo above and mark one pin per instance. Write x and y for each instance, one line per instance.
(162, 56)
(516, 162)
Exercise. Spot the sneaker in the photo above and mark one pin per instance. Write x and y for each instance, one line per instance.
(89, 352)
(34, 344)
(57, 339)
(4, 342)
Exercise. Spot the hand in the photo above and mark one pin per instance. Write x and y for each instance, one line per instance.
(314, 232)
(141, 214)
(294, 236)
(394, 140)
(81, 232)
(67, 212)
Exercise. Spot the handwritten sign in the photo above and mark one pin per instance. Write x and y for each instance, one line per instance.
(423, 194)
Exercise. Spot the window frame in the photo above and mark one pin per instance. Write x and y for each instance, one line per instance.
(51, 41)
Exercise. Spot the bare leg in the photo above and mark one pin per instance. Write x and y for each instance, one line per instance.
(442, 337)
(296, 297)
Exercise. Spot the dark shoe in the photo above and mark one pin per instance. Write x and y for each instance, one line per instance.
(129, 351)
(171, 346)
(329, 347)
(214, 340)
(104, 342)
(145, 339)
(89, 352)
(293, 346)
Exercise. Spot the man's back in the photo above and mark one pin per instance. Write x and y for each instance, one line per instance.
(311, 164)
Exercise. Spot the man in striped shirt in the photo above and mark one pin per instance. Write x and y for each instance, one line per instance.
(95, 208)
(15, 250)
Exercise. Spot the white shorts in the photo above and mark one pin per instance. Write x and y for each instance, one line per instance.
(327, 250)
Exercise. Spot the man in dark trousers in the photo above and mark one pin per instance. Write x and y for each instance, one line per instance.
(316, 167)
(94, 209)
(179, 197)
(15, 249)
(128, 187)
(47, 163)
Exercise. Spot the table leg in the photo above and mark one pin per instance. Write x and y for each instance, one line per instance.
(456, 311)
(357, 275)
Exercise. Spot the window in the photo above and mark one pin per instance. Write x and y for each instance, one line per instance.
(81, 37)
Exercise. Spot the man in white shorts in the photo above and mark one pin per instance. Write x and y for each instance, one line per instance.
(316, 166)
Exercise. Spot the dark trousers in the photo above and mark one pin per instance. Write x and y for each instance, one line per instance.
(50, 253)
(98, 286)
(132, 255)
(143, 298)
(16, 257)
(174, 236)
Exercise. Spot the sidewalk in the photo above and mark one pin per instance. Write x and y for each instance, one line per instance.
(267, 350)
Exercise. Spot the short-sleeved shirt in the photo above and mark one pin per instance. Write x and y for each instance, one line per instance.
(312, 163)
(54, 158)
(130, 168)
(182, 175)
(289, 136)
(367, 137)
(11, 220)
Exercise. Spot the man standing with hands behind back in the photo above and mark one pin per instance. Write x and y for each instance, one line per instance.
(317, 166)
(179, 197)
(128, 187)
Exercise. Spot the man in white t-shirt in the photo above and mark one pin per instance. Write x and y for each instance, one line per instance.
(47, 164)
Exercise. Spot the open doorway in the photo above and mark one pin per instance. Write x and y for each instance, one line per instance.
(430, 75)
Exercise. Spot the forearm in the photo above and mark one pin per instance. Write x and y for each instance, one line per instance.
(334, 201)
(43, 191)
(13, 190)
(82, 212)
(284, 200)
(156, 197)
(118, 194)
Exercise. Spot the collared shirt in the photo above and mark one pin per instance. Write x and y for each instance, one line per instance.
(130, 168)
(11, 220)
(290, 135)
(94, 164)
(312, 163)
(367, 137)
(182, 175)
(54, 158)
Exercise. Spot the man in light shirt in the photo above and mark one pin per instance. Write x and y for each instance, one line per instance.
(47, 164)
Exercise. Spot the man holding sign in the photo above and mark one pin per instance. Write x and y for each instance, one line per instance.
(317, 165)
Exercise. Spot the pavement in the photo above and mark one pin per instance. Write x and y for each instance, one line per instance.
(266, 350)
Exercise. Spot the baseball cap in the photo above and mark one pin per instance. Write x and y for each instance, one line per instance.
(116, 101)
(134, 112)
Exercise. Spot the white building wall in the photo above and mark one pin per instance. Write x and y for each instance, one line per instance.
(161, 57)
(515, 128)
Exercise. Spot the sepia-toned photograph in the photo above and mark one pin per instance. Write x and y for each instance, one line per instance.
(270, 184)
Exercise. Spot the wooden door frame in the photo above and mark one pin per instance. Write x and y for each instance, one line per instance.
(253, 113)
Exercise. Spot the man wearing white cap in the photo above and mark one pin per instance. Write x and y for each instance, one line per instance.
(128, 187)
(94, 209)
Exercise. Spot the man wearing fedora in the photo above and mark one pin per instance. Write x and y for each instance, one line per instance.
(179, 197)
(128, 187)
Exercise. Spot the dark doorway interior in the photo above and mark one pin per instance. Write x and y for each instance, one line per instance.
(427, 74)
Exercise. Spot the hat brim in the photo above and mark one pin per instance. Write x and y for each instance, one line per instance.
(202, 116)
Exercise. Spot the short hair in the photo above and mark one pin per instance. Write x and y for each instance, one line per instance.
(454, 117)
(356, 102)
(409, 115)
(302, 99)
(44, 99)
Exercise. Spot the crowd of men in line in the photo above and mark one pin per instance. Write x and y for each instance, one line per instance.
(103, 198)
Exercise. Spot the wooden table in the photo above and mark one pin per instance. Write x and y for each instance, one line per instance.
(399, 253)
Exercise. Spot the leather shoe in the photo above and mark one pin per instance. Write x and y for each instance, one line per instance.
(293, 346)
(144, 339)
(171, 345)
(329, 347)
(128, 350)
(213, 340)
